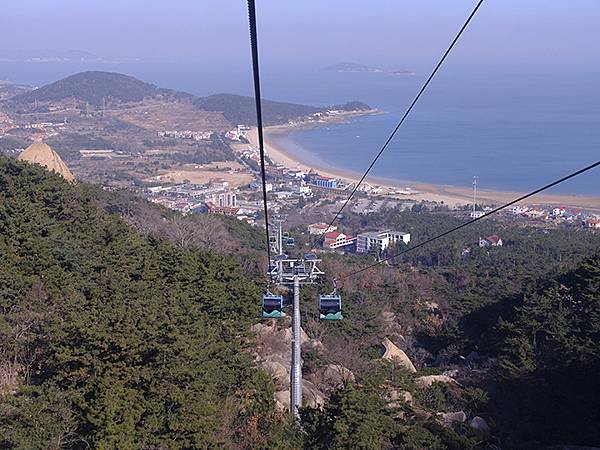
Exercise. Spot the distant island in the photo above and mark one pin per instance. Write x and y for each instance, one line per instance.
(350, 67)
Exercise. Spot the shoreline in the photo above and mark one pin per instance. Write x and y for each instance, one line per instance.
(448, 194)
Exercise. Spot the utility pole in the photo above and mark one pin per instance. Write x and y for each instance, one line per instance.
(280, 237)
(296, 369)
(279, 219)
(475, 178)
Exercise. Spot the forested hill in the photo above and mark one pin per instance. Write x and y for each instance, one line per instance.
(242, 110)
(101, 89)
(113, 339)
(95, 88)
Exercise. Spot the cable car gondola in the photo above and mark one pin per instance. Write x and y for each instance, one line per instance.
(272, 306)
(330, 307)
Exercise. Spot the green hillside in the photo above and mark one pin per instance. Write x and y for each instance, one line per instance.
(112, 339)
(94, 88)
(118, 335)
(98, 89)
(239, 109)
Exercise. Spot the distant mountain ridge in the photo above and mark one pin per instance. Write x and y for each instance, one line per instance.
(98, 89)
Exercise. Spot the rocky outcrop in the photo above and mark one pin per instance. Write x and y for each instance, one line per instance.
(479, 424)
(279, 371)
(449, 418)
(393, 353)
(427, 380)
(274, 356)
(311, 396)
(398, 398)
(42, 154)
(282, 400)
(332, 377)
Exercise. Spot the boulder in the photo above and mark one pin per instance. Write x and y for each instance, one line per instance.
(311, 396)
(282, 400)
(406, 396)
(278, 371)
(393, 353)
(397, 398)
(287, 335)
(432, 306)
(422, 414)
(334, 376)
(452, 417)
(427, 380)
(42, 154)
(479, 424)
(451, 373)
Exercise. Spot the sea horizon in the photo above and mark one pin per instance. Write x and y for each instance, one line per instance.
(514, 130)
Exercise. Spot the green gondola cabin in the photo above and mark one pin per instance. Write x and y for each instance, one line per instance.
(330, 307)
(272, 306)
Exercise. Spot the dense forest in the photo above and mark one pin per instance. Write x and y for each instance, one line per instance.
(116, 339)
(125, 325)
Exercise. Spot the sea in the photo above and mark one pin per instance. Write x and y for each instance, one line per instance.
(516, 130)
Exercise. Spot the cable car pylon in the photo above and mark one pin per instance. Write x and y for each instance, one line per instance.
(281, 269)
(295, 272)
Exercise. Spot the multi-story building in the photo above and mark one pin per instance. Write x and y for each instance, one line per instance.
(323, 182)
(335, 240)
(224, 199)
(223, 210)
(379, 241)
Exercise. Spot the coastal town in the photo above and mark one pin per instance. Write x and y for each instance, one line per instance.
(198, 162)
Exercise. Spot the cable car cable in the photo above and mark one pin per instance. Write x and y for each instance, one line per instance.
(494, 211)
(259, 120)
(410, 108)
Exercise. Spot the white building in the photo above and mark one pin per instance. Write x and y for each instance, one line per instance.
(477, 214)
(559, 212)
(593, 223)
(379, 240)
(303, 190)
(224, 199)
(335, 240)
(517, 210)
(490, 241)
(321, 228)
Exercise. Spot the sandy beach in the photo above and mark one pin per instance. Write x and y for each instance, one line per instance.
(449, 195)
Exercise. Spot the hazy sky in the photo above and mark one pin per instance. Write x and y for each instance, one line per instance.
(399, 34)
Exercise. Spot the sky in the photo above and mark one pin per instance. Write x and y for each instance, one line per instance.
(392, 33)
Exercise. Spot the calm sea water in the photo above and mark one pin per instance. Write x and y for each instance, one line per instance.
(515, 130)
